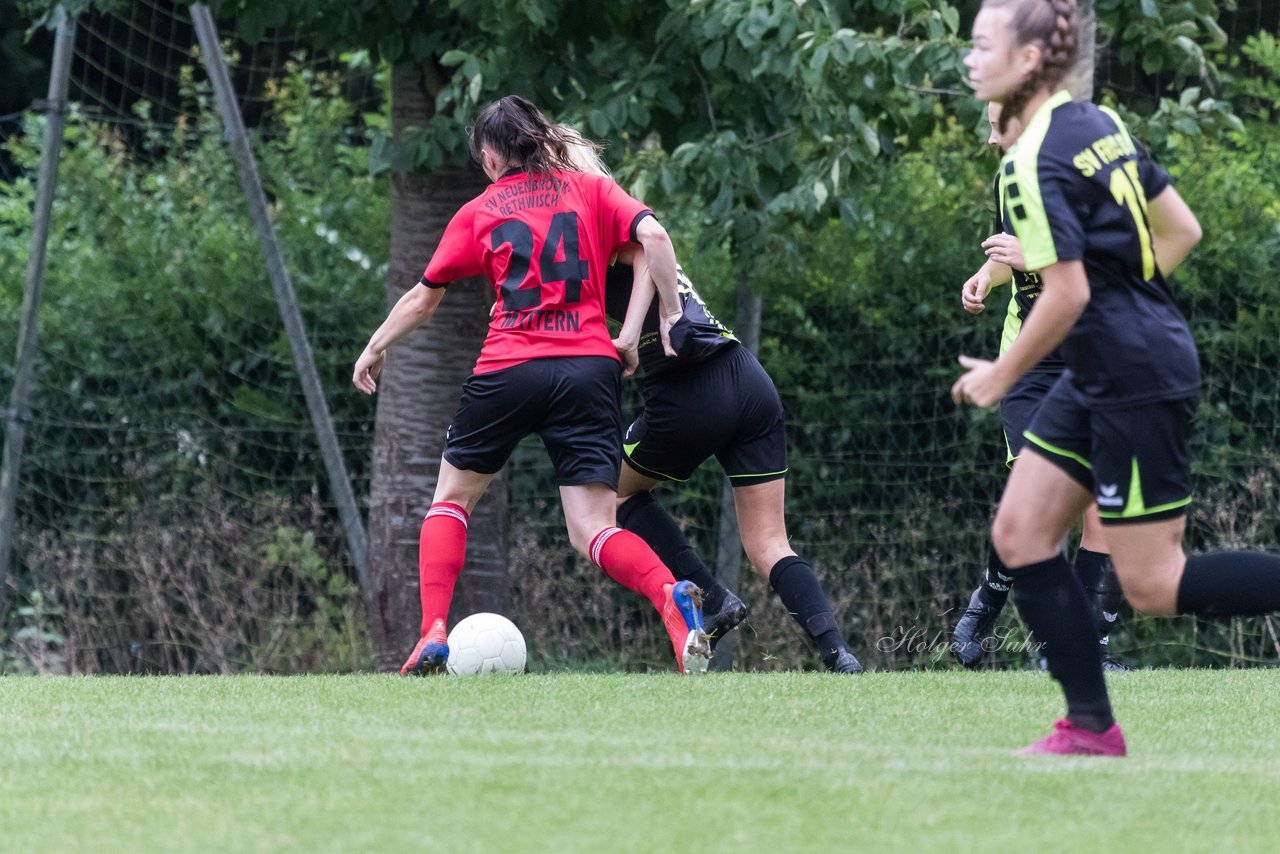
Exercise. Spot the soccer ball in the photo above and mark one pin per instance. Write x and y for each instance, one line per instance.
(485, 643)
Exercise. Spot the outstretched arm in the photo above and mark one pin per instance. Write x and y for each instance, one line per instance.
(413, 309)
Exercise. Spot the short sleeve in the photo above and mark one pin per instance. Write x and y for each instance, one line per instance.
(458, 255)
(620, 212)
(1154, 180)
(1038, 206)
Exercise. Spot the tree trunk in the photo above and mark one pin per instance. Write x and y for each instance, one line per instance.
(1079, 81)
(417, 396)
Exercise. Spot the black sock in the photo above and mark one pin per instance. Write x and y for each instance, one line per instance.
(1098, 578)
(801, 593)
(1053, 606)
(993, 590)
(645, 518)
(1230, 584)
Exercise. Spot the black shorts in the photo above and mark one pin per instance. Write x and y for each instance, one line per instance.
(571, 403)
(726, 406)
(1135, 461)
(1019, 405)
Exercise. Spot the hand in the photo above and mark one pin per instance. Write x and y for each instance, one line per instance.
(974, 291)
(629, 352)
(981, 383)
(665, 322)
(368, 366)
(1005, 249)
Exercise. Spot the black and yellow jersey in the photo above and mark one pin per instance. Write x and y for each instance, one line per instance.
(1024, 287)
(1075, 187)
(702, 336)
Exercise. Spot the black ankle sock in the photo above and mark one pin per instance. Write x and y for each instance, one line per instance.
(993, 590)
(646, 518)
(1230, 584)
(793, 580)
(1053, 605)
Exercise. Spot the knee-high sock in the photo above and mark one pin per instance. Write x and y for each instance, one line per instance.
(642, 515)
(993, 590)
(793, 579)
(626, 559)
(442, 547)
(1098, 578)
(1054, 607)
(1230, 584)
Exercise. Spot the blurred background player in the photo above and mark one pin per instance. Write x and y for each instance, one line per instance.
(713, 399)
(974, 630)
(547, 366)
(1101, 224)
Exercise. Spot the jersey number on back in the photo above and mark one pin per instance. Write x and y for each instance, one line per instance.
(572, 270)
(1127, 189)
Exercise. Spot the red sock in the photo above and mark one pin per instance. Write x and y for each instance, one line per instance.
(628, 560)
(441, 550)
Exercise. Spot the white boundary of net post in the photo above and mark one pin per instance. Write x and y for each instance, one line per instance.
(18, 413)
(286, 298)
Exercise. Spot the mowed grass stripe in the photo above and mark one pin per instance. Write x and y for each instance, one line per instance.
(618, 762)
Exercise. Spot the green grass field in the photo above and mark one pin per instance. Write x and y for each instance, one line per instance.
(744, 762)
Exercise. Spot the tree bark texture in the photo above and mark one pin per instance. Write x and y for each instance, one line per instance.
(417, 396)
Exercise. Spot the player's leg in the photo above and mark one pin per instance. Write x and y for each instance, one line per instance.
(1040, 504)
(687, 415)
(442, 548)
(582, 432)
(640, 513)
(763, 529)
(496, 410)
(628, 560)
(975, 630)
(1147, 489)
(1097, 575)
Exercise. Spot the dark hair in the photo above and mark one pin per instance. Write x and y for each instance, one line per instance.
(1054, 26)
(520, 134)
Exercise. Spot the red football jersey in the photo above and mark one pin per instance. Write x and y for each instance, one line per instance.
(544, 243)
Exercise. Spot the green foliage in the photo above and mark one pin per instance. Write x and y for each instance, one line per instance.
(164, 370)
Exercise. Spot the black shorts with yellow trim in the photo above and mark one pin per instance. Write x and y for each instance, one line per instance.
(725, 406)
(1135, 460)
(1019, 405)
(572, 403)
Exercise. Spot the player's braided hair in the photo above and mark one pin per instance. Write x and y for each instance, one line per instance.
(520, 134)
(1054, 26)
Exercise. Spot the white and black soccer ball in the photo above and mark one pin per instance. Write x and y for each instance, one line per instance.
(485, 643)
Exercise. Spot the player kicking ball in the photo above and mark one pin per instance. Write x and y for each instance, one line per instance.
(542, 235)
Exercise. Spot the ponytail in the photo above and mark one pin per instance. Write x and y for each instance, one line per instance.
(521, 135)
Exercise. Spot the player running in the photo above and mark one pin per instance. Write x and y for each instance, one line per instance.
(1098, 220)
(542, 234)
(713, 399)
(974, 630)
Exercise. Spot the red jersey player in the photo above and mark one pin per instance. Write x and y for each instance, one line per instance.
(542, 234)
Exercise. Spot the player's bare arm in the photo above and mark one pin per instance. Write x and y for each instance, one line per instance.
(1174, 229)
(413, 309)
(973, 293)
(661, 258)
(1063, 297)
(628, 341)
